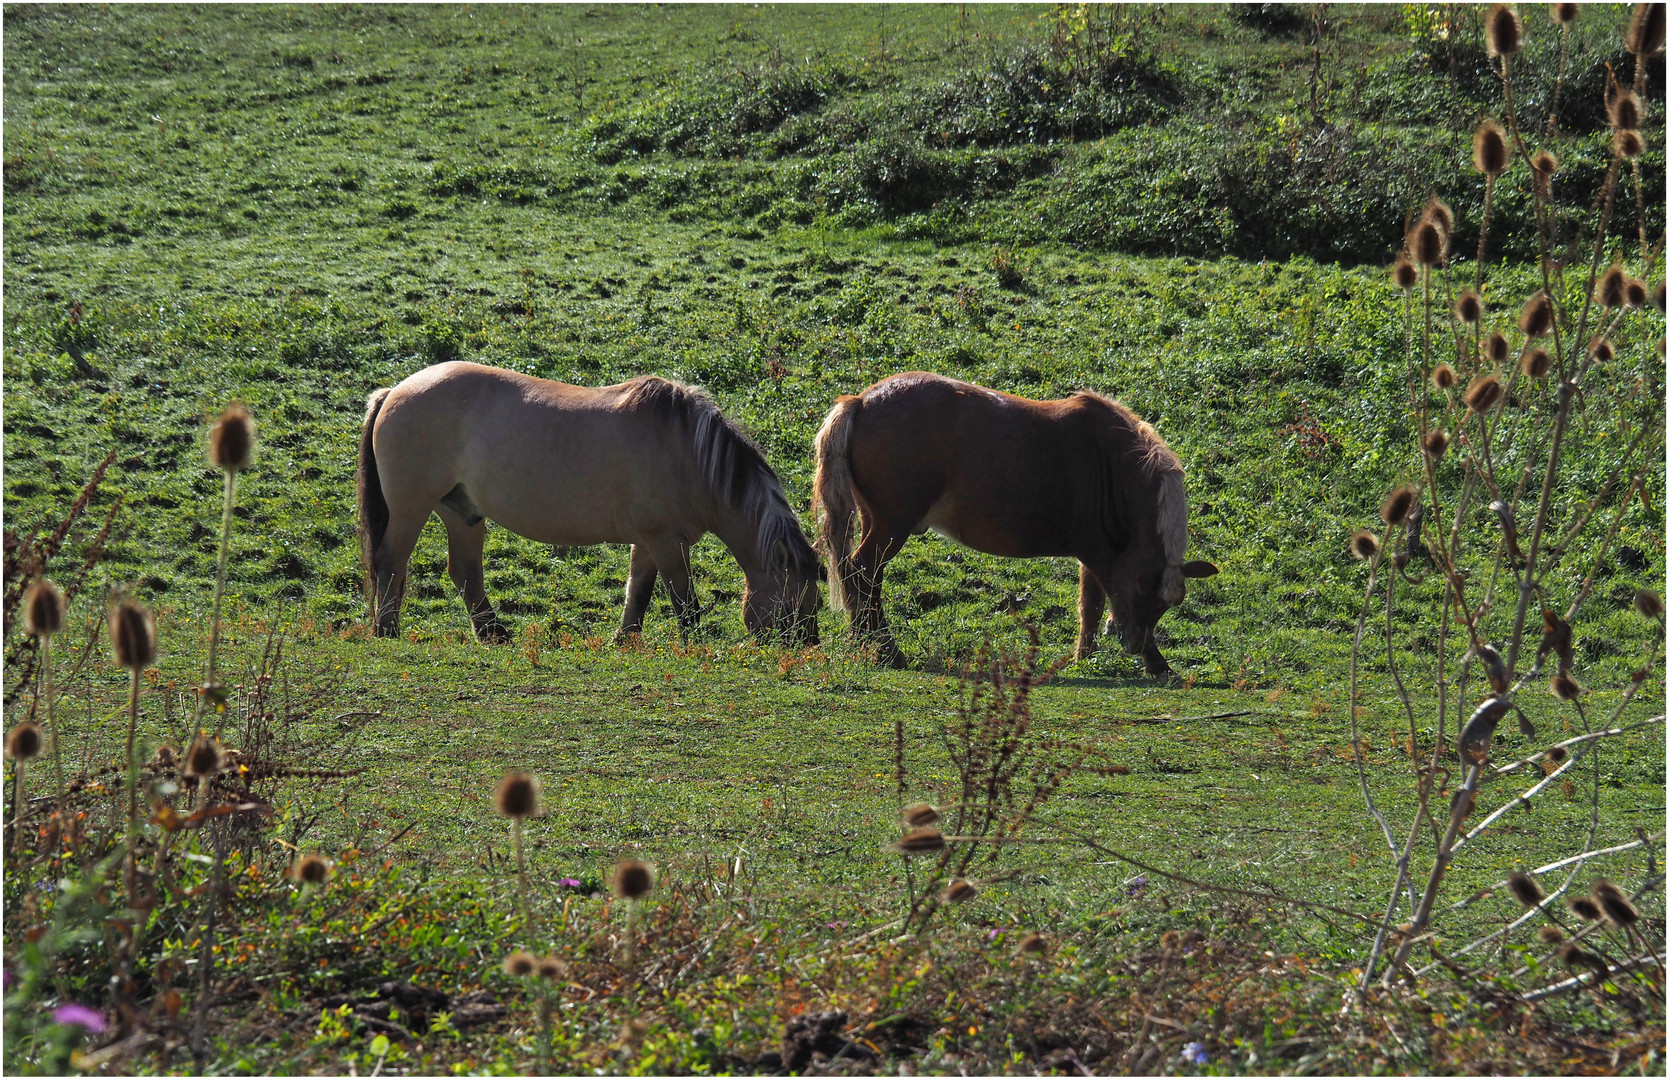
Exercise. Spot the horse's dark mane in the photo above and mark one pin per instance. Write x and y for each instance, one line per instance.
(1163, 469)
(733, 466)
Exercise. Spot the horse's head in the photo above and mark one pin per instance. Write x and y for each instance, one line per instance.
(1139, 591)
(782, 598)
(1148, 576)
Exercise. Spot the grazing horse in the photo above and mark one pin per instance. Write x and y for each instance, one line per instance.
(648, 462)
(1007, 476)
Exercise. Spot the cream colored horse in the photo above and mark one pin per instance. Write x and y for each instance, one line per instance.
(648, 462)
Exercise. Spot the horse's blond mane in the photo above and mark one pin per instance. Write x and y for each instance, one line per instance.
(734, 469)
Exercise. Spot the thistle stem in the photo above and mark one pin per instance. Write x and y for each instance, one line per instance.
(219, 591)
(51, 718)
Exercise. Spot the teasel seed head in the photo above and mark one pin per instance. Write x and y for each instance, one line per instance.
(1468, 308)
(959, 891)
(1497, 348)
(24, 741)
(520, 964)
(1649, 604)
(1564, 14)
(311, 869)
(1634, 292)
(1613, 287)
(1444, 377)
(1404, 274)
(1438, 213)
(1364, 545)
(1526, 889)
(1543, 164)
(1618, 911)
(1558, 755)
(1576, 956)
(1536, 363)
(1658, 297)
(1495, 669)
(1033, 945)
(1625, 111)
(1429, 242)
(550, 968)
(1170, 939)
(232, 439)
(918, 841)
(132, 634)
(919, 815)
(1394, 510)
(205, 757)
(1584, 908)
(1536, 320)
(43, 609)
(1564, 687)
(517, 795)
(1502, 31)
(1482, 395)
(1600, 349)
(632, 880)
(1550, 935)
(1490, 153)
(1627, 144)
(1645, 30)
(1436, 443)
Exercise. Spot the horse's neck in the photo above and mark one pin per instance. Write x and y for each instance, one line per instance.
(740, 534)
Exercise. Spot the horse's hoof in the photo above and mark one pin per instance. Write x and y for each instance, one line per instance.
(494, 633)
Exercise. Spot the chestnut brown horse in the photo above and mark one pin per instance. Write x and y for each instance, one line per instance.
(648, 462)
(1008, 476)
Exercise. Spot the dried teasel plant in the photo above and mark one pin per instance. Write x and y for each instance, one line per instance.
(1006, 772)
(1530, 480)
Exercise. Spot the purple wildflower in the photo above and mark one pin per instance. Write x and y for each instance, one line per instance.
(1195, 1054)
(993, 933)
(72, 1013)
(569, 882)
(7, 978)
(1137, 884)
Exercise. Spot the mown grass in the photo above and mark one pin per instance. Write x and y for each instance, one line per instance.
(293, 206)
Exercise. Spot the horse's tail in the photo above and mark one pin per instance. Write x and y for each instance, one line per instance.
(373, 507)
(832, 496)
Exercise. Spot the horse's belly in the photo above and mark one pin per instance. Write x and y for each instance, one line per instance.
(993, 536)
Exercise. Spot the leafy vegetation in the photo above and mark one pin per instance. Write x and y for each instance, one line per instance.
(1189, 208)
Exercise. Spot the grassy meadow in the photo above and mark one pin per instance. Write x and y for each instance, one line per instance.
(1189, 208)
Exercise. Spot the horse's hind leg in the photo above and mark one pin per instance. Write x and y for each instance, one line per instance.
(464, 543)
(863, 584)
(640, 589)
(1092, 599)
(388, 572)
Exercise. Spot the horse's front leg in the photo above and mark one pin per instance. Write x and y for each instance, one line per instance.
(1092, 599)
(640, 589)
(464, 544)
(672, 558)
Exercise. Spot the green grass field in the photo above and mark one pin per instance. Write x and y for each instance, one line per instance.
(1193, 212)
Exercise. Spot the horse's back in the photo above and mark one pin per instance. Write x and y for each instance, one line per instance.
(1000, 473)
(549, 460)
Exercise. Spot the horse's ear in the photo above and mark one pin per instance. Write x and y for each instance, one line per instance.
(1198, 568)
